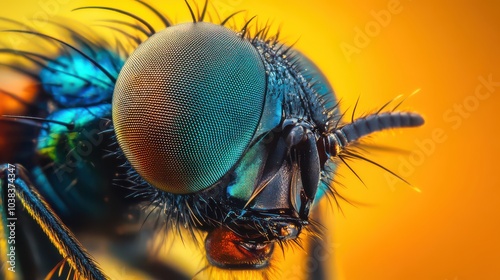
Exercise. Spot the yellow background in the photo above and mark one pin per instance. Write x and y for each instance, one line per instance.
(450, 230)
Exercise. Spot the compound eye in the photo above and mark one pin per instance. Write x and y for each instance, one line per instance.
(187, 104)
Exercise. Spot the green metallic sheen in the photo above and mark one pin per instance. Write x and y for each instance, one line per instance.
(56, 139)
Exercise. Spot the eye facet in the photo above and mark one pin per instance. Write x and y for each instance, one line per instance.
(186, 105)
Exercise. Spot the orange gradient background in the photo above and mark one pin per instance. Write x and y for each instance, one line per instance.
(451, 229)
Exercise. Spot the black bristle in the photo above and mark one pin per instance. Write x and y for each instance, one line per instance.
(91, 60)
(163, 19)
(149, 26)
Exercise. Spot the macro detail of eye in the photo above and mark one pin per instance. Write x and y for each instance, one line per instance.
(186, 105)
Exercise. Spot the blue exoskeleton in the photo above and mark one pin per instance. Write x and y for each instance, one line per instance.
(223, 132)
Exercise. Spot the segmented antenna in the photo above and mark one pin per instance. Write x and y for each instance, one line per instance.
(340, 138)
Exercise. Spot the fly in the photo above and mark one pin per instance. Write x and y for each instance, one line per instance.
(222, 131)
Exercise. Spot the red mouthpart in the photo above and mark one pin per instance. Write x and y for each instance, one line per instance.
(225, 249)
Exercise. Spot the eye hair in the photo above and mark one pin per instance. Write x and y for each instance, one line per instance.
(128, 24)
(223, 22)
(147, 24)
(166, 207)
(164, 19)
(90, 59)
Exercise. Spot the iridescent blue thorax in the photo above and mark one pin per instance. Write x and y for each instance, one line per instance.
(74, 81)
(73, 139)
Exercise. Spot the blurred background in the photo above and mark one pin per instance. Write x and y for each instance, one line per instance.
(377, 50)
